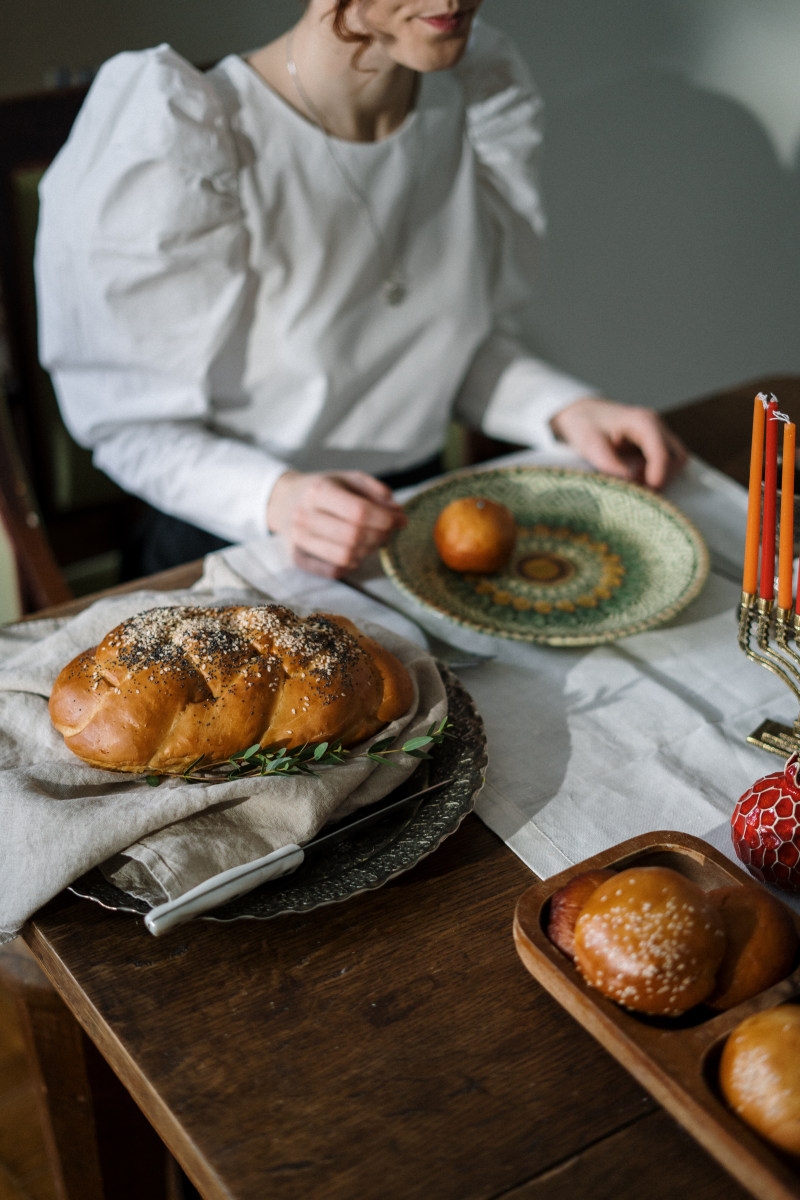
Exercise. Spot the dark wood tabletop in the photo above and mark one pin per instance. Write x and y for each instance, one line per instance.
(389, 1046)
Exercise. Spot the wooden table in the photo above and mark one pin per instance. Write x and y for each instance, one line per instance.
(390, 1046)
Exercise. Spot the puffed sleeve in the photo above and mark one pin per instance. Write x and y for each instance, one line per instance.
(142, 279)
(509, 392)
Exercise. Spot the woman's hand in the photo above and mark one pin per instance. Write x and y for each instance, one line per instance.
(621, 440)
(332, 522)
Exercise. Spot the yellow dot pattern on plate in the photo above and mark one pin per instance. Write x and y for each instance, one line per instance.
(554, 570)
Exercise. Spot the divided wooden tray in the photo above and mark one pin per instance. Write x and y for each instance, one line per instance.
(676, 1059)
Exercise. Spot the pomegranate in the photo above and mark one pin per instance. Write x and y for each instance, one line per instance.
(765, 828)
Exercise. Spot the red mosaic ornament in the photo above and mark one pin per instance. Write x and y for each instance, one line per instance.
(765, 828)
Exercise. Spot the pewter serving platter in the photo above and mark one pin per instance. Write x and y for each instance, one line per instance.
(372, 856)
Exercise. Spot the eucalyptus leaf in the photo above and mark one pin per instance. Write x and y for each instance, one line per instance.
(417, 743)
(300, 760)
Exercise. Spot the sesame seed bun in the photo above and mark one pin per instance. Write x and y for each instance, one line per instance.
(759, 1075)
(650, 940)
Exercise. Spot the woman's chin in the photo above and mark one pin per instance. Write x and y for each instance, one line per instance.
(432, 54)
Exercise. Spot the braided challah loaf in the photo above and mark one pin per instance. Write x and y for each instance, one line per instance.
(171, 684)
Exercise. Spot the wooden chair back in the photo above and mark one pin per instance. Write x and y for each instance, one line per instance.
(82, 510)
(32, 579)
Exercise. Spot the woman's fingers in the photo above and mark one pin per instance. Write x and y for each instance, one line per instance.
(333, 522)
(620, 439)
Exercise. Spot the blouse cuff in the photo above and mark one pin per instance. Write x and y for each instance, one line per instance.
(524, 394)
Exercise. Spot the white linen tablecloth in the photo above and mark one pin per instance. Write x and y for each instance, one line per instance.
(590, 746)
(587, 747)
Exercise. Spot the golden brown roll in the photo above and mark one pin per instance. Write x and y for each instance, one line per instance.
(759, 1074)
(651, 940)
(474, 533)
(567, 904)
(171, 684)
(761, 944)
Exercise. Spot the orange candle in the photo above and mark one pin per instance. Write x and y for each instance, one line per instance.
(769, 518)
(750, 576)
(786, 544)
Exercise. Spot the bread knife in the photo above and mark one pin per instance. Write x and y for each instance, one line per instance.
(227, 885)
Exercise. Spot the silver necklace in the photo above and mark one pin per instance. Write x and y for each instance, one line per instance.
(395, 283)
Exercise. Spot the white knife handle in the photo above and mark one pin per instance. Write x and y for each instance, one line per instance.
(224, 886)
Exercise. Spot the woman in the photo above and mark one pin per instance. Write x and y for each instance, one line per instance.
(265, 290)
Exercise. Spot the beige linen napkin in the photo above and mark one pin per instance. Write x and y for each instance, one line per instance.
(59, 817)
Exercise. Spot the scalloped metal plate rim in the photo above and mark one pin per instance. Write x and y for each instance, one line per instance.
(392, 846)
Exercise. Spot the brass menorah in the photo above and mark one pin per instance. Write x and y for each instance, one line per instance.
(765, 631)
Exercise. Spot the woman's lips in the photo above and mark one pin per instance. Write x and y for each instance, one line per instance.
(446, 22)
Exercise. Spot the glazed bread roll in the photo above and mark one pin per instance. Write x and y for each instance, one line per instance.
(172, 684)
(476, 534)
(567, 904)
(651, 940)
(758, 1074)
(761, 944)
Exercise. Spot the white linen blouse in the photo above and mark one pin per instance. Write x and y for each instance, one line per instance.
(210, 291)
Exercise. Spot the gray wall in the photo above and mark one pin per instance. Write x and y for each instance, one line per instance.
(672, 172)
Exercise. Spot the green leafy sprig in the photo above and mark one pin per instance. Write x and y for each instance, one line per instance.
(302, 760)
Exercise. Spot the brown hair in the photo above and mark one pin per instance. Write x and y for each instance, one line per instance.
(340, 25)
(341, 29)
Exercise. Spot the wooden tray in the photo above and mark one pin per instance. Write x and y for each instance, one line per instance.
(675, 1058)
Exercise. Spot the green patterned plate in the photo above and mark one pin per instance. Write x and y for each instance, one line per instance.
(596, 558)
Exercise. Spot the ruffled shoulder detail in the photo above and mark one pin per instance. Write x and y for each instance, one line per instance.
(158, 102)
(140, 212)
(144, 190)
(151, 155)
(504, 118)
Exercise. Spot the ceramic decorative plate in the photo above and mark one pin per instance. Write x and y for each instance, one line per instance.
(370, 857)
(596, 558)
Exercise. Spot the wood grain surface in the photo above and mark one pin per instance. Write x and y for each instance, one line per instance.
(393, 1045)
(394, 1037)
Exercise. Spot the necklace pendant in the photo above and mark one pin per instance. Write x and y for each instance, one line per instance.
(394, 291)
(394, 285)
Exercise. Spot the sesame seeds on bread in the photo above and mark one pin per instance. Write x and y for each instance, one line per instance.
(174, 683)
(650, 939)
